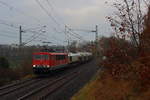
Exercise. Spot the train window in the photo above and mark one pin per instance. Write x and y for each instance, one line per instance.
(39, 57)
(57, 57)
(45, 57)
(60, 57)
(70, 58)
(63, 57)
(53, 58)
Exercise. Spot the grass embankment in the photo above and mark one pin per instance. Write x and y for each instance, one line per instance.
(104, 87)
(127, 70)
(7, 75)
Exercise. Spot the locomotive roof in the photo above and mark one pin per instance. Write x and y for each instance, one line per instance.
(50, 53)
(74, 54)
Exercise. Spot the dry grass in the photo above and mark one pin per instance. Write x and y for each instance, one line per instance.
(127, 70)
(107, 88)
(8, 75)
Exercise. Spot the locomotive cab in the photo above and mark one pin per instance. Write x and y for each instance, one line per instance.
(44, 62)
(41, 62)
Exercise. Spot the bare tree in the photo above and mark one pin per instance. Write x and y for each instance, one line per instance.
(128, 21)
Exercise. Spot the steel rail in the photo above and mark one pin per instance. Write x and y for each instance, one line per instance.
(28, 95)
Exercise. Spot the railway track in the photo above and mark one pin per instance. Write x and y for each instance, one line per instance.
(48, 88)
(15, 83)
(38, 88)
(14, 87)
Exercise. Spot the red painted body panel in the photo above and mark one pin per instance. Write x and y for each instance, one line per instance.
(51, 61)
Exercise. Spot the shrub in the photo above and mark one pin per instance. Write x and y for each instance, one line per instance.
(126, 60)
(4, 62)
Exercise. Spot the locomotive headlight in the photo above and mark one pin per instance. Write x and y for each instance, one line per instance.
(48, 66)
(34, 65)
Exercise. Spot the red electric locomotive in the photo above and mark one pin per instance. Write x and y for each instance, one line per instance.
(43, 62)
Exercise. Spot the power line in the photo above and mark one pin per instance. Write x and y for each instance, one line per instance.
(17, 26)
(84, 30)
(30, 29)
(12, 33)
(18, 10)
(77, 35)
(49, 14)
(9, 36)
(14, 26)
(31, 40)
(43, 35)
(10, 25)
(46, 11)
(33, 37)
(54, 38)
(51, 4)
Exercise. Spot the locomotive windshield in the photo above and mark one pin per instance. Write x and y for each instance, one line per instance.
(40, 57)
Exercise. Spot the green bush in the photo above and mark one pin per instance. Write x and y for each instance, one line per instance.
(4, 63)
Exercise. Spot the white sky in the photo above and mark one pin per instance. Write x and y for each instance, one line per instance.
(78, 14)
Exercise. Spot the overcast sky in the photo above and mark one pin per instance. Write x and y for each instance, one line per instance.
(77, 14)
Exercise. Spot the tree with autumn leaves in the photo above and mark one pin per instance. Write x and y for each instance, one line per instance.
(128, 20)
(128, 51)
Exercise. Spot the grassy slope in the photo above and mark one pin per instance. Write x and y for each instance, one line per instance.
(106, 88)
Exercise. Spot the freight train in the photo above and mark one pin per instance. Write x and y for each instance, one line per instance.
(45, 62)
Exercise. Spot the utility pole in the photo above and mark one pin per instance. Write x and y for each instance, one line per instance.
(21, 53)
(96, 40)
(96, 36)
(68, 38)
(20, 36)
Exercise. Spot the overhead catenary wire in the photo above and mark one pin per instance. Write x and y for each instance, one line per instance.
(55, 21)
(77, 35)
(10, 32)
(9, 25)
(17, 27)
(9, 36)
(51, 6)
(33, 37)
(19, 11)
(34, 33)
(33, 28)
(83, 30)
(2, 22)
(14, 26)
(49, 14)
